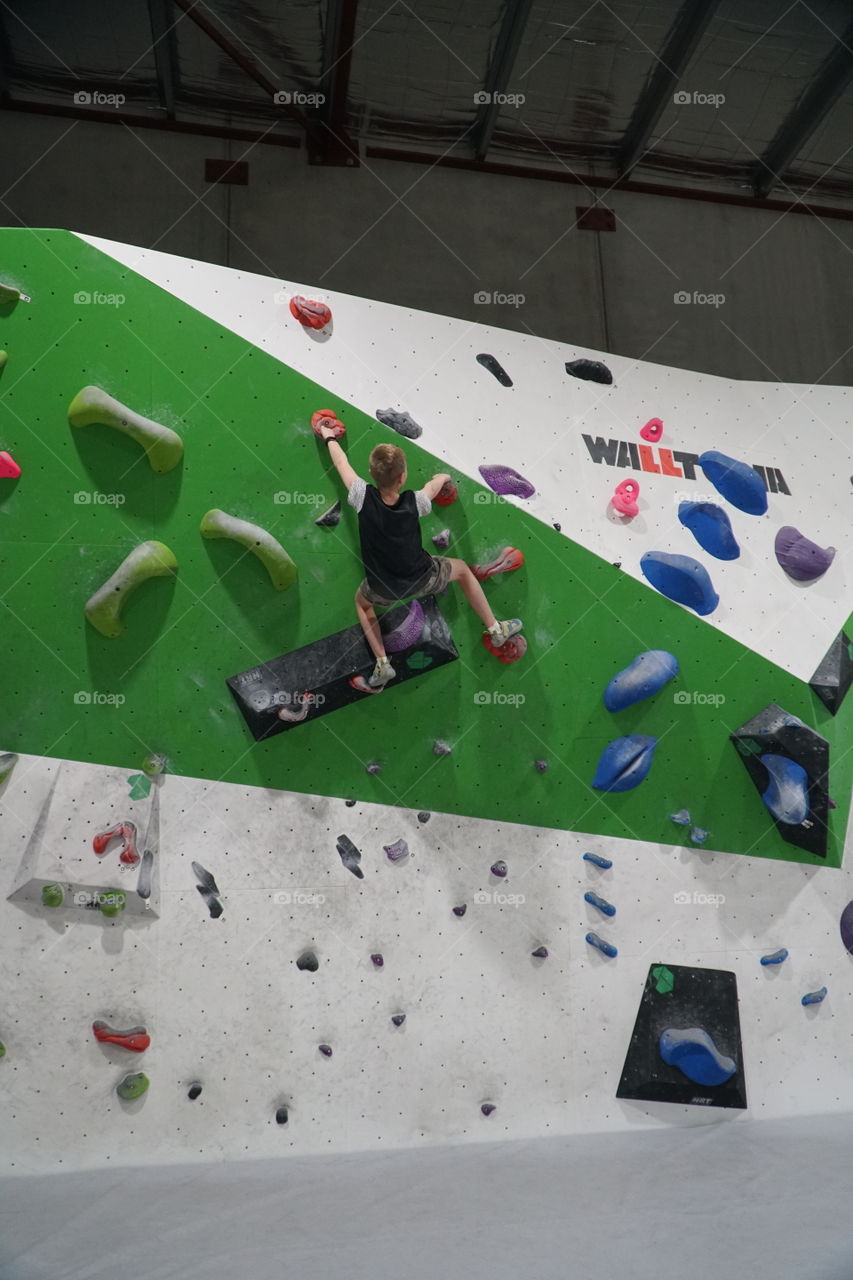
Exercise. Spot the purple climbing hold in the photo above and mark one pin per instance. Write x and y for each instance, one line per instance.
(373, 769)
(802, 560)
(460, 911)
(499, 869)
(541, 953)
(407, 632)
(325, 1049)
(506, 481)
(398, 1019)
(846, 925)
(541, 766)
(441, 748)
(377, 959)
(488, 1108)
(397, 851)
(442, 540)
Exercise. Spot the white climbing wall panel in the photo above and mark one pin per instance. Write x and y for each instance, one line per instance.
(225, 1004)
(381, 356)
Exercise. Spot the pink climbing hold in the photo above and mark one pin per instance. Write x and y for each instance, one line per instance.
(653, 430)
(310, 313)
(625, 498)
(9, 469)
(125, 831)
(508, 560)
(301, 700)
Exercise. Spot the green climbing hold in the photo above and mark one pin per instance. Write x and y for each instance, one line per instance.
(163, 446)
(112, 902)
(133, 1086)
(419, 661)
(272, 555)
(4, 356)
(140, 786)
(148, 560)
(154, 764)
(7, 763)
(2, 1049)
(749, 747)
(664, 979)
(52, 895)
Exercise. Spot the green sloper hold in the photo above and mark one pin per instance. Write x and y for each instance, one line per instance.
(148, 560)
(4, 356)
(52, 895)
(133, 1086)
(272, 555)
(112, 903)
(2, 1049)
(164, 447)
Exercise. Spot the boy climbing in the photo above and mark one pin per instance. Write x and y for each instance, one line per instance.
(396, 565)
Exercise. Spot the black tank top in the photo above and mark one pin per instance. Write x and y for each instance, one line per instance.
(395, 562)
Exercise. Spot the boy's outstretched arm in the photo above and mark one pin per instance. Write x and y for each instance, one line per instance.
(339, 459)
(436, 484)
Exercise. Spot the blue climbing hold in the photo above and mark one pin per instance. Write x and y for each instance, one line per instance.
(694, 1053)
(698, 835)
(740, 484)
(711, 528)
(647, 674)
(682, 817)
(595, 858)
(682, 579)
(606, 908)
(606, 948)
(624, 763)
(814, 997)
(787, 795)
(775, 957)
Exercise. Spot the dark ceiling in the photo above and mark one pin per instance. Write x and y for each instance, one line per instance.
(715, 95)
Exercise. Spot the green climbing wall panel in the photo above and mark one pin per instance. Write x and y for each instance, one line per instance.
(245, 418)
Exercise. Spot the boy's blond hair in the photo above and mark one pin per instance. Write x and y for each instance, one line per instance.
(387, 463)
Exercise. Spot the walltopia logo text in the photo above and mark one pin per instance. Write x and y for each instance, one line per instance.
(665, 462)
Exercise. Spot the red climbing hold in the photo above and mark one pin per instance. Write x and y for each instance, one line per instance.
(511, 650)
(9, 469)
(136, 1039)
(125, 831)
(653, 430)
(309, 312)
(447, 493)
(325, 418)
(508, 559)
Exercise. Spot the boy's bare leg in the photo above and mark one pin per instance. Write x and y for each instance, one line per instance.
(473, 592)
(370, 624)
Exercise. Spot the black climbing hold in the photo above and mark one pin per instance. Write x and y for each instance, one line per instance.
(490, 363)
(423, 816)
(330, 518)
(558, 527)
(281, 1115)
(831, 682)
(349, 803)
(194, 1091)
(589, 371)
(308, 961)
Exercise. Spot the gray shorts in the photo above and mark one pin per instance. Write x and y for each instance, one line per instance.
(436, 580)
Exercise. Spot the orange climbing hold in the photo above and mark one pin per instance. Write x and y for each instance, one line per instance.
(326, 418)
(510, 558)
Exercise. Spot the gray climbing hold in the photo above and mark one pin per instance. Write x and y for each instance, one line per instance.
(308, 961)
(194, 1091)
(350, 856)
(281, 1115)
(423, 816)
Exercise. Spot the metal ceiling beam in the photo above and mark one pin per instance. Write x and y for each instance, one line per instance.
(334, 146)
(5, 60)
(815, 104)
(165, 46)
(498, 75)
(687, 30)
(246, 64)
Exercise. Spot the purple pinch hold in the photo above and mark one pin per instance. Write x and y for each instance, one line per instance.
(499, 868)
(325, 1049)
(541, 766)
(407, 632)
(442, 540)
(487, 1108)
(506, 481)
(374, 768)
(460, 911)
(398, 1019)
(377, 959)
(396, 851)
(541, 953)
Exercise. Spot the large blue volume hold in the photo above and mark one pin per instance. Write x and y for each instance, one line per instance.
(711, 528)
(740, 484)
(646, 675)
(694, 1053)
(682, 579)
(624, 763)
